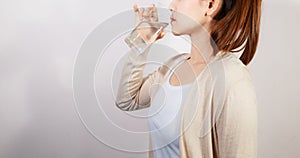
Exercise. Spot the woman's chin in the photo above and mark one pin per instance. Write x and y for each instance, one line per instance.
(176, 34)
(178, 30)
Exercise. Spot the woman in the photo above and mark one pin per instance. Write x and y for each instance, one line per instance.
(211, 85)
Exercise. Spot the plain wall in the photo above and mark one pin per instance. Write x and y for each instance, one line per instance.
(39, 44)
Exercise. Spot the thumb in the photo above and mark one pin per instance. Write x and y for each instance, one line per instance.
(162, 34)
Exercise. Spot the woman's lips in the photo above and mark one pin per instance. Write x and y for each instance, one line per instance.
(172, 19)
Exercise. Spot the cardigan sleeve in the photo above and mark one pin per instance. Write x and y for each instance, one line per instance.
(237, 127)
(134, 89)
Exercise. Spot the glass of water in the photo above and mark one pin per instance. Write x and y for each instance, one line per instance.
(146, 32)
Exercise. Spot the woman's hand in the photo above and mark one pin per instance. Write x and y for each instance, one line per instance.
(147, 14)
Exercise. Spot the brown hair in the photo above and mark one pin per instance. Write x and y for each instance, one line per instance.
(238, 24)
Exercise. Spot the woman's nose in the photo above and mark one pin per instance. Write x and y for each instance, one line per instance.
(171, 6)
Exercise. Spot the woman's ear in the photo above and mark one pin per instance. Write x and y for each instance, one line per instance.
(213, 7)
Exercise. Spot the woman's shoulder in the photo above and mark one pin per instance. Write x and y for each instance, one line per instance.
(232, 69)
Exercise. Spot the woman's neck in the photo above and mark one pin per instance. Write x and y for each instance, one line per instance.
(201, 47)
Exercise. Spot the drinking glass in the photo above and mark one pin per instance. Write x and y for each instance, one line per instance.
(146, 32)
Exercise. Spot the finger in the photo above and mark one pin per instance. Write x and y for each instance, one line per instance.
(146, 13)
(153, 14)
(162, 34)
(135, 7)
(160, 37)
(141, 12)
(136, 12)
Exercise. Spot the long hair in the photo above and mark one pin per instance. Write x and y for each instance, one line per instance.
(237, 25)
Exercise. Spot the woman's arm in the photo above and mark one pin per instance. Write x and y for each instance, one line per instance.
(134, 89)
(237, 128)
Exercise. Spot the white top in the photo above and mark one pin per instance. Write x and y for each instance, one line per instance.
(164, 119)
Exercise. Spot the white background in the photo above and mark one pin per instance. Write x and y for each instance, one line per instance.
(39, 41)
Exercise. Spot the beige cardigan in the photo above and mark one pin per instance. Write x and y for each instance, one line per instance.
(219, 117)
